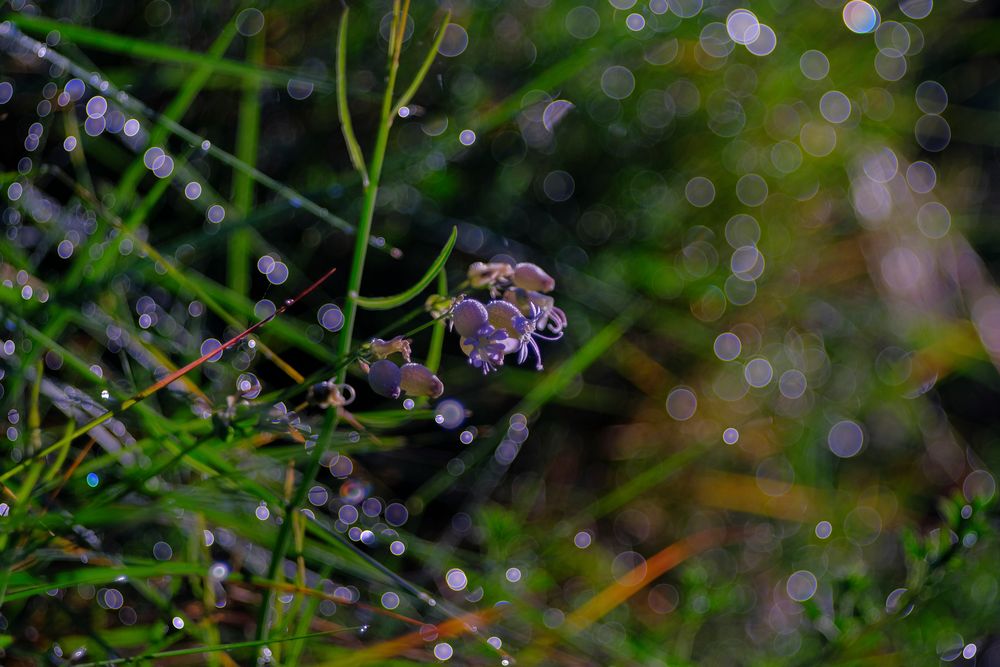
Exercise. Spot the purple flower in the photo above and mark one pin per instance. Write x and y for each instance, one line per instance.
(486, 348)
(509, 325)
(547, 315)
(521, 330)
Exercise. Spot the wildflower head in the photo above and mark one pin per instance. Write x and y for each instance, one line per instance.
(522, 330)
(485, 348)
(438, 305)
(418, 380)
(548, 316)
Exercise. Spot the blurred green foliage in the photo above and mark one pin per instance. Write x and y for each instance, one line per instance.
(768, 436)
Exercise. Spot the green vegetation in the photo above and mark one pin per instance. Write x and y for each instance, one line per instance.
(729, 398)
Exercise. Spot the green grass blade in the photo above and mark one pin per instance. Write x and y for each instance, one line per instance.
(389, 302)
(346, 127)
(425, 66)
(247, 136)
(114, 43)
(186, 95)
(132, 104)
(197, 650)
(23, 587)
(285, 532)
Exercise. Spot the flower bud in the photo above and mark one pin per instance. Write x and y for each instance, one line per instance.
(418, 380)
(531, 277)
(438, 305)
(469, 316)
(384, 377)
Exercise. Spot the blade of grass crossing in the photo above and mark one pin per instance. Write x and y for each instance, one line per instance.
(128, 184)
(198, 650)
(157, 52)
(396, 300)
(346, 127)
(186, 280)
(175, 110)
(425, 66)
(247, 138)
(350, 309)
(134, 105)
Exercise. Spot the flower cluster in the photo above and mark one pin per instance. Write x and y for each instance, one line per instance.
(389, 379)
(513, 321)
(519, 314)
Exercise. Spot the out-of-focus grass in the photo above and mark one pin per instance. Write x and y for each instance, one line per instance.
(590, 514)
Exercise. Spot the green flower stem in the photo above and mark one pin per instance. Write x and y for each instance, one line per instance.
(350, 312)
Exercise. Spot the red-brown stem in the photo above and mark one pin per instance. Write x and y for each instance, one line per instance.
(184, 370)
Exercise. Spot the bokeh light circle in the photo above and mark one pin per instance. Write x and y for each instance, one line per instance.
(845, 439)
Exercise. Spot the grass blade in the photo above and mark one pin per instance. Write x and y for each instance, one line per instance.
(247, 135)
(198, 650)
(169, 379)
(114, 43)
(186, 95)
(353, 147)
(389, 302)
(425, 66)
(437, 334)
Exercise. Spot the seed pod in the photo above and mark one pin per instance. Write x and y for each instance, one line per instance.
(418, 380)
(469, 317)
(384, 378)
(531, 277)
